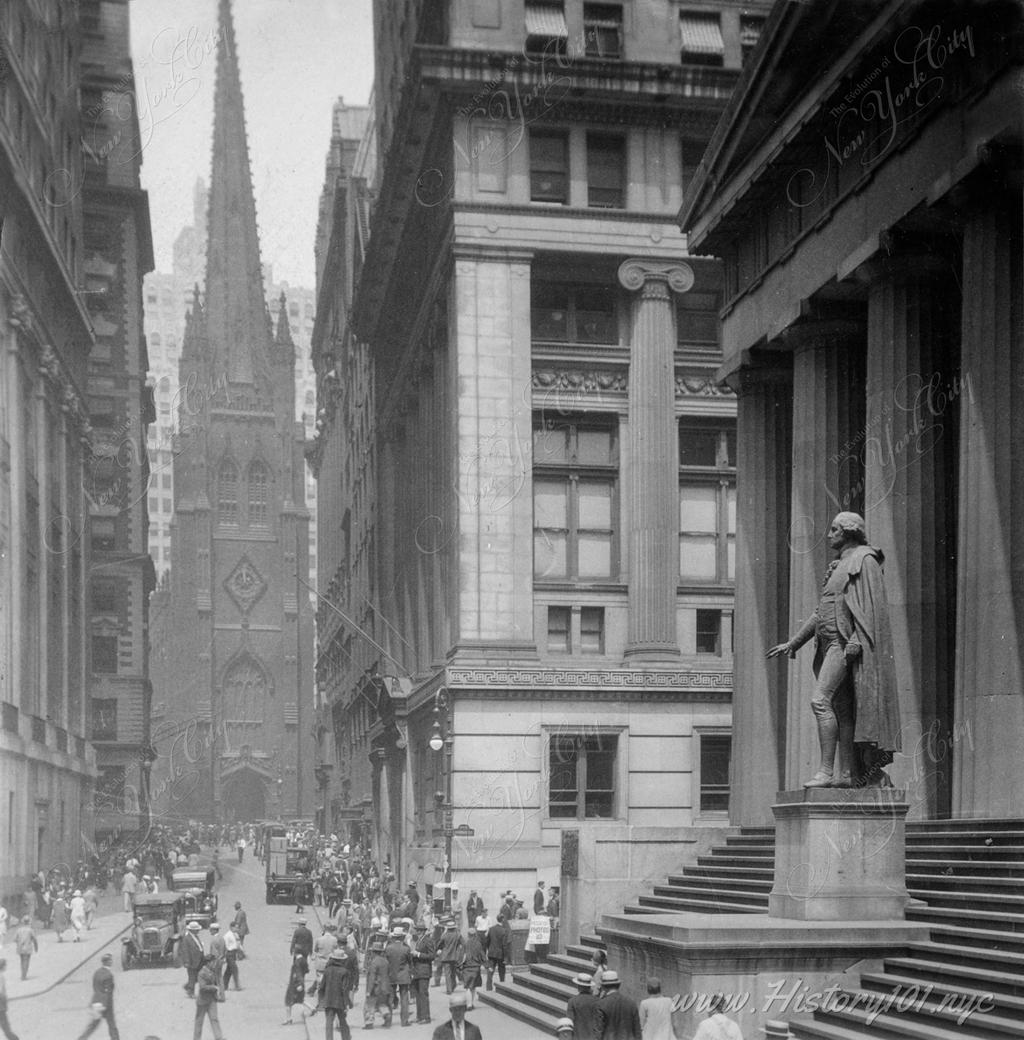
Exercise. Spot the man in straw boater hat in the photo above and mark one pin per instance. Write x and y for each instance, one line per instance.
(617, 1015)
(457, 1028)
(333, 993)
(855, 696)
(582, 1008)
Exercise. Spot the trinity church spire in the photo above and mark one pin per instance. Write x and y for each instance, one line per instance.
(235, 310)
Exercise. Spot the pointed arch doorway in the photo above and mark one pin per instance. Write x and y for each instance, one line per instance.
(244, 796)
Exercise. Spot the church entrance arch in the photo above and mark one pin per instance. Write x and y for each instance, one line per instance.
(244, 796)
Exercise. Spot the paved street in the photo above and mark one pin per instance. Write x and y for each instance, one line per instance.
(149, 1001)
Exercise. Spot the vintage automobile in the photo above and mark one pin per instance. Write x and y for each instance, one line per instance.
(198, 898)
(155, 929)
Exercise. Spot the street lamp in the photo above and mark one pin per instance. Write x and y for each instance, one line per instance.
(439, 740)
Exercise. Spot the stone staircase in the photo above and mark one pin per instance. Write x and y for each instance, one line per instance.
(965, 982)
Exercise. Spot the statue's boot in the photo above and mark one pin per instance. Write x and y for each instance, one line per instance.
(828, 736)
(844, 749)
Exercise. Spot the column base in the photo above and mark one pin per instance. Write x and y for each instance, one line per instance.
(840, 855)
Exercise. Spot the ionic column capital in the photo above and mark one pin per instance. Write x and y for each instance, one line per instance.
(655, 278)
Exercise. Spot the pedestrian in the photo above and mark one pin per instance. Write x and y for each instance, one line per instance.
(540, 899)
(4, 917)
(207, 997)
(450, 953)
(474, 907)
(191, 954)
(598, 966)
(299, 894)
(102, 1004)
(617, 1015)
(218, 951)
(241, 922)
(423, 950)
(718, 1025)
(656, 1014)
(333, 994)
(5, 1025)
(78, 914)
(582, 1008)
(59, 916)
(499, 949)
(232, 951)
(554, 906)
(302, 940)
(26, 944)
(378, 988)
(216, 862)
(457, 1028)
(129, 886)
(92, 903)
(296, 991)
(399, 958)
(240, 846)
(474, 957)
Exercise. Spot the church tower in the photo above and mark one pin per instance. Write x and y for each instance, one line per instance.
(238, 683)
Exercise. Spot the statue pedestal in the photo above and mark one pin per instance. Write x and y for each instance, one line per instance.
(840, 855)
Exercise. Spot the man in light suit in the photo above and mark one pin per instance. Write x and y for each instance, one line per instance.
(457, 1028)
(191, 953)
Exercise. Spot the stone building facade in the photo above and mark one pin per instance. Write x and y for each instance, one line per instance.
(872, 328)
(236, 630)
(551, 528)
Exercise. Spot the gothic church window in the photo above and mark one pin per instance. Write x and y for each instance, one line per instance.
(227, 494)
(258, 486)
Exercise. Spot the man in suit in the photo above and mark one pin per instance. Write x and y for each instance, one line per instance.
(540, 899)
(191, 953)
(617, 1016)
(582, 1008)
(333, 992)
(302, 940)
(103, 997)
(399, 958)
(499, 949)
(457, 1028)
(378, 988)
(474, 906)
(423, 950)
(218, 950)
(242, 923)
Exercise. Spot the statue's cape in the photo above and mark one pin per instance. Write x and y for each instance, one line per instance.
(874, 673)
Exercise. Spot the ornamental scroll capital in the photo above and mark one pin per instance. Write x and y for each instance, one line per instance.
(634, 275)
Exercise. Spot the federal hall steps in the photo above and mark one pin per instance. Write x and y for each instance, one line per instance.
(965, 981)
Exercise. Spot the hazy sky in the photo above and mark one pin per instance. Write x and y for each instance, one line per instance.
(296, 58)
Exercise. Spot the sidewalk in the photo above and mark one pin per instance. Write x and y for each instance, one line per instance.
(56, 960)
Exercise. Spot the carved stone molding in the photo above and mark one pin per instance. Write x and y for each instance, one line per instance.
(245, 585)
(612, 678)
(700, 386)
(634, 275)
(579, 380)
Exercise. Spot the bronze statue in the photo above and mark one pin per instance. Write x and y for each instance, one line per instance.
(855, 698)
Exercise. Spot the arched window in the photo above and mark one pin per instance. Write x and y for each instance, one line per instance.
(227, 493)
(258, 481)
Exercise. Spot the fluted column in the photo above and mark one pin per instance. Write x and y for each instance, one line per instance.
(653, 477)
(828, 435)
(909, 499)
(989, 680)
(764, 449)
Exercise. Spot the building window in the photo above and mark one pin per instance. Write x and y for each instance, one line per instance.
(227, 494)
(602, 30)
(750, 34)
(104, 718)
(592, 630)
(574, 313)
(606, 171)
(258, 482)
(707, 503)
(559, 626)
(715, 752)
(104, 597)
(546, 31)
(701, 42)
(582, 776)
(104, 655)
(709, 632)
(697, 321)
(574, 501)
(103, 534)
(549, 167)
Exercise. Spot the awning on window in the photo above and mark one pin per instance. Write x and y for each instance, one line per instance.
(546, 20)
(701, 34)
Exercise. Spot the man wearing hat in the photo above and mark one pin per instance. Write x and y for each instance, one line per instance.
(564, 1029)
(207, 996)
(232, 945)
(499, 949)
(618, 1017)
(378, 988)
(102, 1002)
(218, 950)
(399, 958)
(581, 1009)
(333, 993)
(450, 951)
(423, 950)
(190, 954)
(457, 1028)
(241, 923)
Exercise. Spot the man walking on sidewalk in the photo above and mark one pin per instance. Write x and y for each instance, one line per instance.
(4, 1024)
(102, 999)
(26, 943)
(207, 995)
(191, 953)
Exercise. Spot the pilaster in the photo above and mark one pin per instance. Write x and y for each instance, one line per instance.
(764, 450)
(653, 481)
(828, 432)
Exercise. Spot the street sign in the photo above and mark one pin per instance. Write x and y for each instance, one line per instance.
(463, 831)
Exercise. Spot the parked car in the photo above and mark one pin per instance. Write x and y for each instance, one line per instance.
(198, 898)
(155, 929)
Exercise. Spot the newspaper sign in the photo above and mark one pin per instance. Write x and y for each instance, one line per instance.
(540, 931)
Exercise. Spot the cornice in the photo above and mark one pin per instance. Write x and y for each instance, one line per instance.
(610, 680)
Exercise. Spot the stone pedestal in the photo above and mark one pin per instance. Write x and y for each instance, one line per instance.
(840, 855)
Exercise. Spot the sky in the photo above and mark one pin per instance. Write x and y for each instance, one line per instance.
(296, 57)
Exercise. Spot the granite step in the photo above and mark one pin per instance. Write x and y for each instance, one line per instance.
(969, 901)
(754, 873)
(1009, 983)
(972, 955)
(937, 1025)
(541, 1018)
(998, 868)
(961, 881)
(1002, 823)
(1005, 922)
(968, 838)
(948, 852)
(752, 886)
(710, 901)
(891, 982)
(987, 939)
